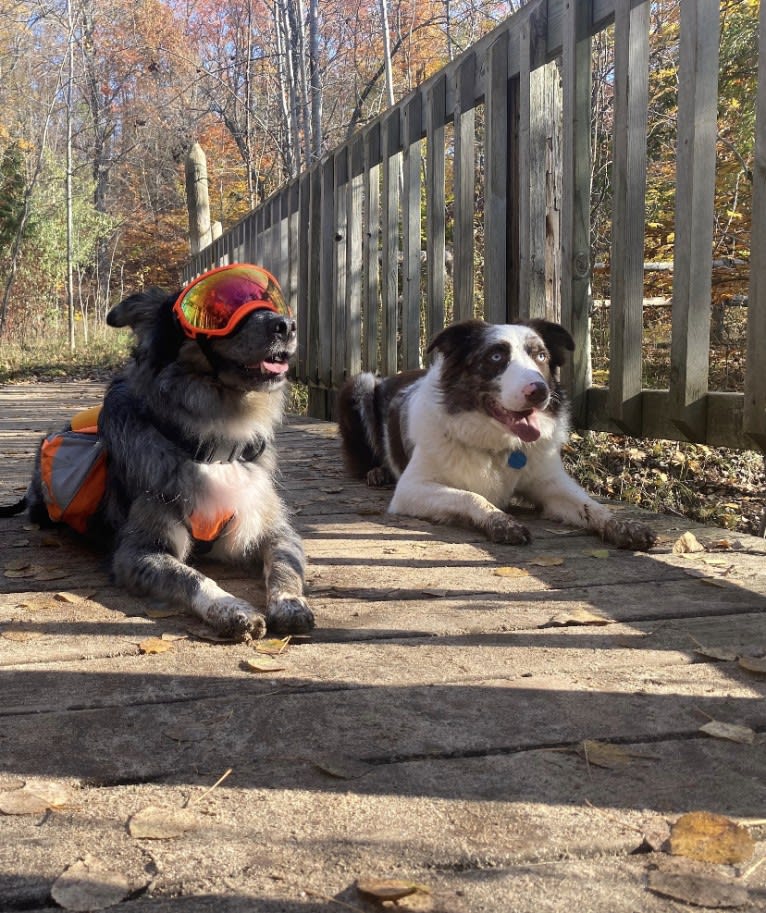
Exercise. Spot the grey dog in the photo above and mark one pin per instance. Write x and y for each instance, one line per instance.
(188, 427)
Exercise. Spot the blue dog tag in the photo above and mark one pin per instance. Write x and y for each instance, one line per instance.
(517, 459)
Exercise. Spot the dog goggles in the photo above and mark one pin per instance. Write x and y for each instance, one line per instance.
(215, 302)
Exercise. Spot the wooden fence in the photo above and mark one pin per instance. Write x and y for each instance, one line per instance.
(372, 274)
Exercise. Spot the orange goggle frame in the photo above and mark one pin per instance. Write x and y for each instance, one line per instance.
(215, 302)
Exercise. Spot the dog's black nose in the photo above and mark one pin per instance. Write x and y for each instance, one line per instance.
(536, 392)
(281, 326)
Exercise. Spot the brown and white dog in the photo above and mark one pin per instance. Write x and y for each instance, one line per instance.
(483, 425)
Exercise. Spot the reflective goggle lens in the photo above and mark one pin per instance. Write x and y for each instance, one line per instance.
(215, 302)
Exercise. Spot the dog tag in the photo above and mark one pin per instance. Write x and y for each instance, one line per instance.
(517, 459)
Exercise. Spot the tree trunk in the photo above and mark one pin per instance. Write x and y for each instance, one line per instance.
(197, 199)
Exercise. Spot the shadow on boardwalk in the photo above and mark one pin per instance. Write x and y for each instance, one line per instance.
(435, 727)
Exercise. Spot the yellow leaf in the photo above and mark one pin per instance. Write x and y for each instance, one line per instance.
(547, 561)
(577, 616)
(686, 544)
(272, 646)
(390, 888)
(598, 553)
(510, 572)
(710, 838)
(263, 663)
(154, 645)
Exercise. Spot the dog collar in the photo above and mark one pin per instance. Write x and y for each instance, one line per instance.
(517, 459)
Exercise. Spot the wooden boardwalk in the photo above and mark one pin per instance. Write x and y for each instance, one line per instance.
(437, 727)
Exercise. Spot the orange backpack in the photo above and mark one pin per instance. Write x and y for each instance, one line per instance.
(73, 470)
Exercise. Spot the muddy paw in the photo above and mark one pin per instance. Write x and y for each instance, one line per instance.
(631, 534)
(232, 617)
(289, 615)
(504, 529)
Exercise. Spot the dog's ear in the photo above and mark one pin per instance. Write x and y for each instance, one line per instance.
(139, 311)
(456, 337)
(557, 340)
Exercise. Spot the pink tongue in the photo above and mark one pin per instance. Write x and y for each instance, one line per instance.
(274, 367)
(522, 424)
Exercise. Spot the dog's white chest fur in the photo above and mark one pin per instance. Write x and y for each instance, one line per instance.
(243, 490)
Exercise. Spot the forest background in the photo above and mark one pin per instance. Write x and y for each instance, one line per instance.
(100, 101)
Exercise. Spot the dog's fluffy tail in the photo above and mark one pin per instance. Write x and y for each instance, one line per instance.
(360, 425)
(10, 510)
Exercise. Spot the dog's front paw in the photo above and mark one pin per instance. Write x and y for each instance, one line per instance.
(289, 614)
(235, 618)
(380, 477)
(631, 534)
(504, 529)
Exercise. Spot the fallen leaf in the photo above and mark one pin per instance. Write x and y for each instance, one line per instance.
(272, 646)
(264, 663)
(699, 889)
(687, 543)
(710, 838)
(730, 731)
(714, 581)
(52, 573)
(35, 797)
(604, 754)
(510, 572)
(157, 823)
(725, 654)
(546, 561)
(598, 553)
(20, 573)
(576, 617)
(18, 565)
(755, 664)
(89, 885)
(390, 888)
(203, 632)
(341, 766)
(67, 597)
(154, 645)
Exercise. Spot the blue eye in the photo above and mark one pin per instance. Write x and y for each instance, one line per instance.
(542, 356)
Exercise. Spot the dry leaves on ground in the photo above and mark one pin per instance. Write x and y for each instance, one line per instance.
(577, 616)
(155, 822)
(708, 837)
(90, 885)
(35, 797)
(390, 889)
(730, 731)
(699, 888)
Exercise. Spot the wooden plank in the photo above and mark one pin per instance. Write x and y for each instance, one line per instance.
(498, 206)
(338, 312)
(695, 193)
(575, 234)
(411, 267)
(371, 242)
(354, 263)
(326, 272)
(303, 257)
(312, 290)
(755, 380)
(435, 206)
(392, 175)
(535, 144)
(724, 417)
(631, 95)
(464, 188)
